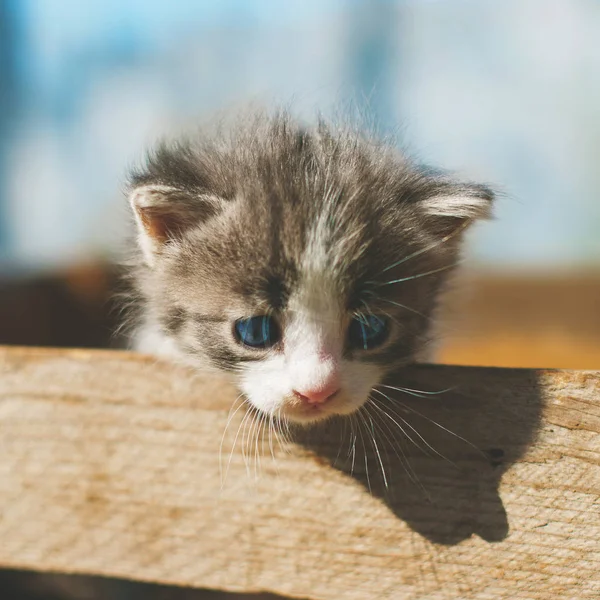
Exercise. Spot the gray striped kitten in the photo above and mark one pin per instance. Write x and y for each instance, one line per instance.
(305, 261)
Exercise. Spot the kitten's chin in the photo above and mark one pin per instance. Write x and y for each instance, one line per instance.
(306, 415)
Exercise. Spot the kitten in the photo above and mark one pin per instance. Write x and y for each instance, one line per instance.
(305, 261)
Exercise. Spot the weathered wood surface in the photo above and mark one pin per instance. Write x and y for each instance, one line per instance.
(109, 464)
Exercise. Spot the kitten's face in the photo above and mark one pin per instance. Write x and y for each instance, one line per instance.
(307, 265)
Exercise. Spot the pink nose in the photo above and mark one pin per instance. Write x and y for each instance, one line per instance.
(319, 395)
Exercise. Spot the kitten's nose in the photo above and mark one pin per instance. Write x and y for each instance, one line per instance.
(319, 395)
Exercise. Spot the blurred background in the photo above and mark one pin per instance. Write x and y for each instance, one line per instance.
(504, 92)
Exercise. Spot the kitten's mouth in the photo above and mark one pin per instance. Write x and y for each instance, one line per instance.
(307, 414)
(303, 412)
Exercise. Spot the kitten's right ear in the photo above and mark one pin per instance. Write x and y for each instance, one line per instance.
(164, 213)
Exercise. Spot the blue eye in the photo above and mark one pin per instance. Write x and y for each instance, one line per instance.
(367, 331)
(257, 332)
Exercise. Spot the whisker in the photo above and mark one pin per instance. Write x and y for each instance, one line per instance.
(250, 417)
(271, 430)
(392, 318)
(427, 444)
(430, 393)
(376, 448)
(256, 435)
(404, 432)
(342, 436)
(407, 391)
(404, 307)
(278, 431)
(229, 419)
(428, 248)
(257, 453)
(362, 439)
(404, 460)
(283, 429)
(353, 449)
(410, 393)
(421, 392)
(416, 412)
(411, 277)
(248, 412)
(248, 441)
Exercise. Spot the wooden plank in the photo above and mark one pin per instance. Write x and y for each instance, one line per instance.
(522, 320)
(109, 465)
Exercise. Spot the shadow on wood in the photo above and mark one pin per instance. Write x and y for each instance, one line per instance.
(27, 585)
(435, 451)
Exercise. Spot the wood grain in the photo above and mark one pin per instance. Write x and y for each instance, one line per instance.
(109, 465)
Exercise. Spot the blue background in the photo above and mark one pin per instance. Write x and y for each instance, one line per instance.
(506, 92)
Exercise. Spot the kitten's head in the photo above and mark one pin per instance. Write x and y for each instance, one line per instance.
(306, 262)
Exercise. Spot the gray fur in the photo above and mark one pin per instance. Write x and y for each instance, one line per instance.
(239, 209)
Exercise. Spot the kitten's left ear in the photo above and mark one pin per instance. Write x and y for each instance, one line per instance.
(164, 213)
(453, 202)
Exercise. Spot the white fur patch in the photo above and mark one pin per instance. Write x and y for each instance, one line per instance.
(314, 334)
(315, 259)
(268, 386)
(462, 207)
(150, 340)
